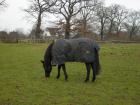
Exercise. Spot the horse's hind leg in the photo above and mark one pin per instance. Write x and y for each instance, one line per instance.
(59, 68)
(64, 70)
(93, 70)
(88, 71)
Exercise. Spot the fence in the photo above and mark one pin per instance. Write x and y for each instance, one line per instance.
(51, 39)
(27, 40)
(118, 41)
(34, 40)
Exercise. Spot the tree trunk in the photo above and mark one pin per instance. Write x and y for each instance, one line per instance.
(38, 30)
(118, 31)
(102, 31)
(110, 27)
(101, 35)
(84, 28)
(67, 29)
(130, 36)
(131, 33)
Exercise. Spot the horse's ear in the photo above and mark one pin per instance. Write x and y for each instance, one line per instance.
(41, 61)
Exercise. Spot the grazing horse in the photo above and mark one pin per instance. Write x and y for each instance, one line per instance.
(73, 50)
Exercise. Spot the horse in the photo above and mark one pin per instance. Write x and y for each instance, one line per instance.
(72, 50)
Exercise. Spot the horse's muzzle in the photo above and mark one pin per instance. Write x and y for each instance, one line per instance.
(47, 75)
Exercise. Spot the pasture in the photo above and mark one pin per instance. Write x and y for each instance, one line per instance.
(22, 80)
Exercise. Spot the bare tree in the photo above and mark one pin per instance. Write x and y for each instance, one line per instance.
(61, 24)
(68, 9)
(132, 23)
(121, 16)
(3, 3)
(102, 18)
(86, 14)
(37, 9)
(112, 15)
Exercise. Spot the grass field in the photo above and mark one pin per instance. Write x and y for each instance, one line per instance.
(22, 80)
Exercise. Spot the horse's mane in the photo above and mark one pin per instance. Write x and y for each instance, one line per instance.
(48, 53)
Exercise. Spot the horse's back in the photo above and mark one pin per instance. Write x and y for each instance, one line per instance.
(78, 50)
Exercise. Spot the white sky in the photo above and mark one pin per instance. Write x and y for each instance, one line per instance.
(130, 4)
(13, 17)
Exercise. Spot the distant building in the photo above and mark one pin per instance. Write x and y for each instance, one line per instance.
(52, 32)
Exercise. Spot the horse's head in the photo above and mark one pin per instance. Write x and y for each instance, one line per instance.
(47, 68)
(47, 60)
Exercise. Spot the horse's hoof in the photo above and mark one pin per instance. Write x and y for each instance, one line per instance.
(57, 77)
(66, 79)
(86, 80)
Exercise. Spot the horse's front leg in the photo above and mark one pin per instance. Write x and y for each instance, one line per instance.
(64, 70)
(88, 71)
(94, 71)
(59, 68)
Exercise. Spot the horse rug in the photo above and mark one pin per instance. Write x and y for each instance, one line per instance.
(74, 50)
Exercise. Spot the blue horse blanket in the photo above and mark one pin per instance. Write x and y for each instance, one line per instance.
(74, 50)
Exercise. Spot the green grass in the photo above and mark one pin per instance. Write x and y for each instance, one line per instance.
(22, 80)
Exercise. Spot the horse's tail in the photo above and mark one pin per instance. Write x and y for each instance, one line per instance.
(97, 62)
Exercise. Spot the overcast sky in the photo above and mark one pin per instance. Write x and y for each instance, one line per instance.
(13, 17)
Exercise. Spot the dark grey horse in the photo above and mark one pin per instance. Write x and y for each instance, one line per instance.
(72, 50)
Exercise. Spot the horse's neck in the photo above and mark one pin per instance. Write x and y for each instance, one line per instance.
(48, 55)
(48, 58)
